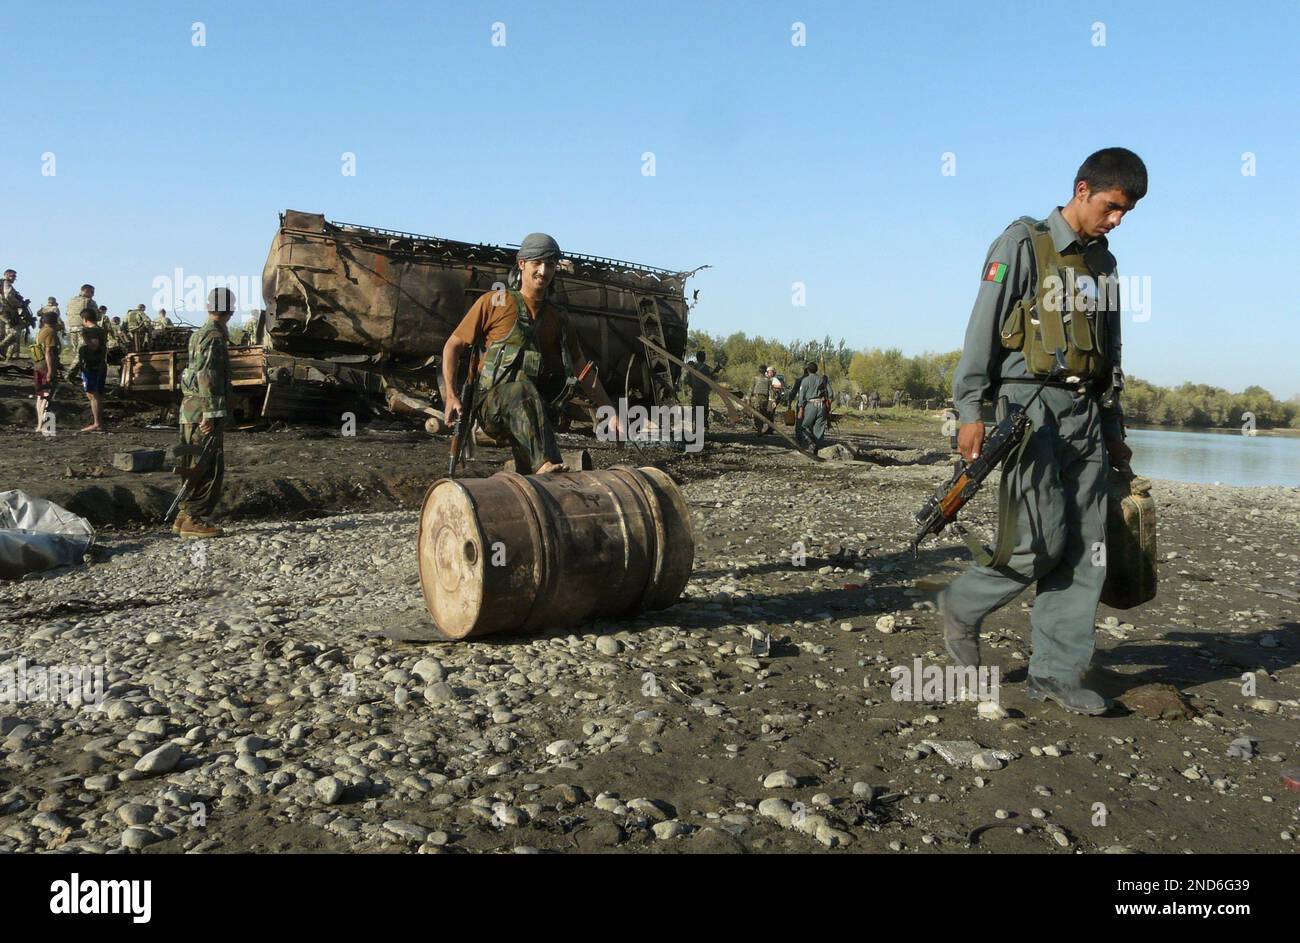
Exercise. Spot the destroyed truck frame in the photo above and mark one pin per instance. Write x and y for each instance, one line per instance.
(363, 313)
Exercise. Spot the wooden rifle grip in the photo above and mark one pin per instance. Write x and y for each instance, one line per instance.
(952, 501)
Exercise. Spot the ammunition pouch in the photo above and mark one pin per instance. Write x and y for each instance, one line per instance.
(1066, 308)
(518, 356)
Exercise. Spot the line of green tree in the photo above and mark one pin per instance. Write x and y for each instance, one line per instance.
(738, 358)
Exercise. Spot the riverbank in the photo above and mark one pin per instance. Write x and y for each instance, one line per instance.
(1223, 430)
(259, 678)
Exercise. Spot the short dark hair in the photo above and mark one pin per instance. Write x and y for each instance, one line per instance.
(91, 287)
(1114, 168)
(50, 319)
(10, 271)
(221, 301)
(699, 354)
(811, 366)
(91, 315)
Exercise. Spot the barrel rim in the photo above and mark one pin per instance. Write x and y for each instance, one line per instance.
(431, 580)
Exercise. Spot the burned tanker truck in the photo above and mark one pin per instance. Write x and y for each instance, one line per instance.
(356, 318)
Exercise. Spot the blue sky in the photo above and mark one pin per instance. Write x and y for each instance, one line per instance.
(775, 164)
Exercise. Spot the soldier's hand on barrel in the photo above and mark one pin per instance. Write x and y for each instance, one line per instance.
(970, 439)
(453, 409)
(1118, 451)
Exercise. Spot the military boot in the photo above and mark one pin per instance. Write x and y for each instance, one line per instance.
(962, 641)
(179, 523)
(1073, 696)
(196, 528)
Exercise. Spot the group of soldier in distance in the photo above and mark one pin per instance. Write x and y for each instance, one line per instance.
(1023, 349)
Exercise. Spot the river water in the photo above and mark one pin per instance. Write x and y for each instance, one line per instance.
(1227, 457)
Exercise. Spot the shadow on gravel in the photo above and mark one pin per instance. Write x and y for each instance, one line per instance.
(1215, 656)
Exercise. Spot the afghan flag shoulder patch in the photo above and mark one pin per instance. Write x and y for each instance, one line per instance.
(996, 272)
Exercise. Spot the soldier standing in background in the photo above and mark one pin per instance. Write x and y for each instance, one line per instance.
(205, 388)
(13, 316)
(699, 389)
(84, 300)
(814, 405)
(162, 322)
(137, 327)
(760, 397)
(794, 404)
(116, 338)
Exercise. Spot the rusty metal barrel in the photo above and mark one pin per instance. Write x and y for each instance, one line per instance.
(519, 554)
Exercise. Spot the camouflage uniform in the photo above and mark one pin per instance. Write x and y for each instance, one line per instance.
(114, 336)
(515, 412)
(205, 388)
(511, 406)
(760, 397)
(138, 328)
(76, 306)
(13, 321)
(49, 309)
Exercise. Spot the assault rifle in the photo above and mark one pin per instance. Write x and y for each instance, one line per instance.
(188, 474)
(465, 421)
(941, 508)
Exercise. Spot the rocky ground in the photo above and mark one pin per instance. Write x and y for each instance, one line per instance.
(256, 698)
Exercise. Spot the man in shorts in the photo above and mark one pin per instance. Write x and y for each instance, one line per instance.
(92, 366)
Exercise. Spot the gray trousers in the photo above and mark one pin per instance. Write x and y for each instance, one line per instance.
(812, 427)
(1061, 484)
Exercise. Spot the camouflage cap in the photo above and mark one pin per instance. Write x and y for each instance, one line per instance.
(538, 245)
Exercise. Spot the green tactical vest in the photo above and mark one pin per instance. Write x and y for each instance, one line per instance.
(518, 352)
(1066, 308)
